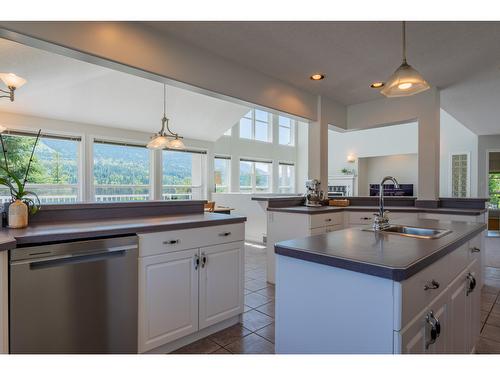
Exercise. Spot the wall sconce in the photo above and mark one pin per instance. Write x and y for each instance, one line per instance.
(351, 158)
(12, 82)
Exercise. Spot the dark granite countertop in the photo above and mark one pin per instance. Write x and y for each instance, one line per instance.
(326, 209)
(384, 255)
(85, 229)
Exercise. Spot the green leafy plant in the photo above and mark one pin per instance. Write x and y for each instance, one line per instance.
(18, 191)
(13, 183)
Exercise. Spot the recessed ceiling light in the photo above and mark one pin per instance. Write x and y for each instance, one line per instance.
(317, 77)
(377, 85)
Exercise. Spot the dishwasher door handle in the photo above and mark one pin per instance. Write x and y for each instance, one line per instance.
(74, 259)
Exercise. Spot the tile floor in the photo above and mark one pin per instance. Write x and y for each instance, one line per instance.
(489, 342)
(255, 335)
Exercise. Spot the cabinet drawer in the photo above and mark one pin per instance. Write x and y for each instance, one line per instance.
(323, 220)
(412, 293)
(361, 217)
(176, 240)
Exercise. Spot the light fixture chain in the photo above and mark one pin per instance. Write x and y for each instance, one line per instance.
(404, 42)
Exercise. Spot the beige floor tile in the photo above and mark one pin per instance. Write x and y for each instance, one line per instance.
(493, 319)
(268, 291)
(251, 344)
(222, 351)
(246, 308)
(255, 300)
(484, 315)
(203, 346)
(487, 288)
(229, 335)
(488, 297)
(485, 346)
(486, 306)
(491, 332)
(267, 332)
(255, 285)
(267, 309)
(255, 320)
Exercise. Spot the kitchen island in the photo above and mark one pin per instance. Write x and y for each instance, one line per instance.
(184, 270)
(356, 291)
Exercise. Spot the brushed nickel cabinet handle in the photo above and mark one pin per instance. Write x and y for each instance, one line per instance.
(475, 249)
(225, 234)
(433, 284)
(171, 242)
(196, 262)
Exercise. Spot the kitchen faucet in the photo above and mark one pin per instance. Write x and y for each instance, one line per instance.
(381, 220)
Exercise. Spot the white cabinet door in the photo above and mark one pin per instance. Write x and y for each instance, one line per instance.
(315, 231)
(221, 282)
(458, 315)
(473, 308)
(428, 332)
(168, 298)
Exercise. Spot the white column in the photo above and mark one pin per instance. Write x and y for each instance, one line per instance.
(429, 147)
(318, 148)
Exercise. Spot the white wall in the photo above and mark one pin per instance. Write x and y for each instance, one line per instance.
(456, 138)
(403, 167)
(423, 108)
(255, 212)
(382, 141)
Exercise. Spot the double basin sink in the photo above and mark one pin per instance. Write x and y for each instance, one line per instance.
(415, 232)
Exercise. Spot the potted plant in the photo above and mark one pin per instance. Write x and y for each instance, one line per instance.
(24, 202)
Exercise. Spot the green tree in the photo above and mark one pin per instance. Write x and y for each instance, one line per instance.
(18, 151)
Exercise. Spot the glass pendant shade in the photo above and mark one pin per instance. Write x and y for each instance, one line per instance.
(11, 80)
(158, 142)
(405, 81)
(176, 144)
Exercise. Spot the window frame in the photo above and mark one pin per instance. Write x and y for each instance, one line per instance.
(253, 125)
(468, 175)
(119, 142)
(253, 179)
(204, 167)
(64, 135)
(293, 186)
(229, 159)
(293, 125)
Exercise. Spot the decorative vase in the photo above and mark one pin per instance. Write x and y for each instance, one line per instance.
(18, 214)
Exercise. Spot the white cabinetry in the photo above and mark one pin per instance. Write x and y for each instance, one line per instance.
(437, 310)
(184, 291)
(221, 282)
(168, 297)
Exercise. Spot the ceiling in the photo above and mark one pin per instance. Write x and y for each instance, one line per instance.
(351, 54)
(66, 89)
(460, 58)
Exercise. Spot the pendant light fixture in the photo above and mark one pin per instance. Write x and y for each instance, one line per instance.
(12, 82)
(405, 81)
(165, 138)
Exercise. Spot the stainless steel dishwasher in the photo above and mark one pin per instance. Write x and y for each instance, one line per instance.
(75, 297)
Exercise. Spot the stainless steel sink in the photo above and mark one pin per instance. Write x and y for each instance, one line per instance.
(402, 230)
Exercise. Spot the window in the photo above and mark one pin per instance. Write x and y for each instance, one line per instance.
(183, 174)
(459, 175)
(494, 189)
(255, 176)
(256, 125)
(286, 127)
(228, 132)
(222, 167)
(121, 172)
(54, 169)
(286, 178)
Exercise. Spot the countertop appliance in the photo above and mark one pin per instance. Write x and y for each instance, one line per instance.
(74, 297)
(314, 195)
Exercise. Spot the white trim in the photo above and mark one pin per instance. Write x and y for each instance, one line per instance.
(450, 172)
